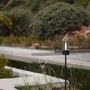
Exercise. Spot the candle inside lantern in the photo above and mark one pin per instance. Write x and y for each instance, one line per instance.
(65, 45)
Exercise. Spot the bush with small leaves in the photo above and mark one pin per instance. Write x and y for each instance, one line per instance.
(21, 20)
(5, 25)
(4, 73)
(59, 18)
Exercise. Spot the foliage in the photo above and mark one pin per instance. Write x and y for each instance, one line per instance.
(55, 43)
(86, 42)
(80, 42)
(15, 41)
(15, 3)
(83, 3)
(6, 21)
(70, 1)
(59, 18)
(5, 24)
(77, 40)
(3, 62)
(37, 87)
(4, 73)
(26, 9)
(21, 20)
(34, 5)
(3, 1)
(37, 5)
(77, 77)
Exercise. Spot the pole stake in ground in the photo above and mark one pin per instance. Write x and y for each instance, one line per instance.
(65, 52)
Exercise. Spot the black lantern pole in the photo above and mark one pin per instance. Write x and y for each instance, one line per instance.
(65, 52)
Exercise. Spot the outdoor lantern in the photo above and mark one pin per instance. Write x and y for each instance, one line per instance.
(65, 52)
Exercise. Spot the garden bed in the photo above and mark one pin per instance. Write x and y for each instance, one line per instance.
(77, 77)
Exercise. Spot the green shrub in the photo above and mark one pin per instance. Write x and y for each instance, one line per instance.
(5, 25)
(21, 19)
(3, 62)
(83, 3)
(87, 42)
(77, 77)
(4, 73)
(80, 41)
(15, 41)
(57, 19)
(77, 40)
(55, 43)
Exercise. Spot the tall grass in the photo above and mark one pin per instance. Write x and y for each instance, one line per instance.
(78, 78)
(75, 76)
